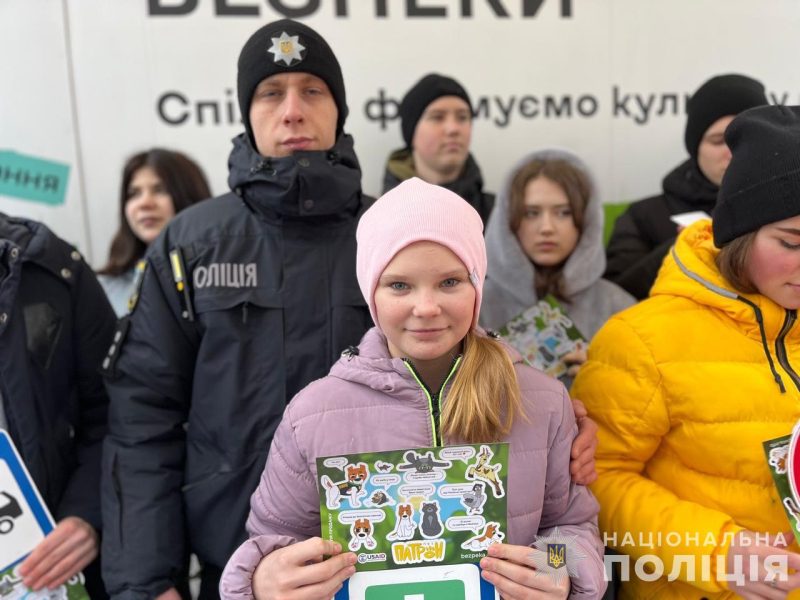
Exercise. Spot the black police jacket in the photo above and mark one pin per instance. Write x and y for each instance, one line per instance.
(644, 233)
(246, 298)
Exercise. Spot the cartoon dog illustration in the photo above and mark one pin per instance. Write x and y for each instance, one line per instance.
(792, 509)
(361, 535)
(485, 472)
(380, 498)
(404, 526)
(474, 500)
(352, 487)
(491, 535)
(779, 458)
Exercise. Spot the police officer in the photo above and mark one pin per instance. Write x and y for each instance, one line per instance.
(55, 326)
(246, 298)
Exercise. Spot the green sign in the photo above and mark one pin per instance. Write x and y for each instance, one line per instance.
(31, 178)
(427, 590)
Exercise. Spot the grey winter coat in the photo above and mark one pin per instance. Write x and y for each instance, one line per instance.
(509, 287)
(358, 407)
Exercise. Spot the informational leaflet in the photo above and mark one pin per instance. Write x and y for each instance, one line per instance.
(24, 522)
(544, 334)
(419, 520)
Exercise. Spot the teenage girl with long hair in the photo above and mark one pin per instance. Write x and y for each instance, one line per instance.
(426, 375)
(156, 185)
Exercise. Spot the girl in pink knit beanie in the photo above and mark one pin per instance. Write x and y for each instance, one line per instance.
(424, 376)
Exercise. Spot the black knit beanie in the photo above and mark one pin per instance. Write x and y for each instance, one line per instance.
(287, 46)
(719, 97)
(762, 183)
(425, 91)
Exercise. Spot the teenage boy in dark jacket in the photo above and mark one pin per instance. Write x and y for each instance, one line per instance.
(55, 327)
(436, 122)
(644, 232)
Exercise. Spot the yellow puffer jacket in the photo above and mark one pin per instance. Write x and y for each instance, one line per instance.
(684, 395)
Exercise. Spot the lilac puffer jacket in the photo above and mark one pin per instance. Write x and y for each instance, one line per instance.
(370, 402)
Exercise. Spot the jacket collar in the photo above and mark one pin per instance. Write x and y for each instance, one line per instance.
(371, 365)
(468, 184)
(690, 271)
(315, 185)
(35, 243)
(687, 184)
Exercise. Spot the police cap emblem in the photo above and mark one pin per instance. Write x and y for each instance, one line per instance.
(287, 48)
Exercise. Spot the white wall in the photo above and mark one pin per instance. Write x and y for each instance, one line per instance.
(121, 60)
(36, 115)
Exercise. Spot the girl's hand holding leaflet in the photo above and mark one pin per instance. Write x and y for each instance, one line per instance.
(512, 571)
(301, 571)
(574, 360)
(66, 550)
(776, 586)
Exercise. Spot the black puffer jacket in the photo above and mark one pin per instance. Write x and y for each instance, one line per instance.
(199, 378)
(644, 232)
(468, 185)
(55, 327)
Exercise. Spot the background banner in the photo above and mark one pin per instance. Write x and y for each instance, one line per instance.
(86, 83)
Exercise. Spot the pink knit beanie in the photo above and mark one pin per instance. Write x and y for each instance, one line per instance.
(416, 211)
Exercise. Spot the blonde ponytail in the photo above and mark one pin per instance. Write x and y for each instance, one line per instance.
(484, 398)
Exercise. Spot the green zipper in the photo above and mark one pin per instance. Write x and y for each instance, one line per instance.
(434, 408)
